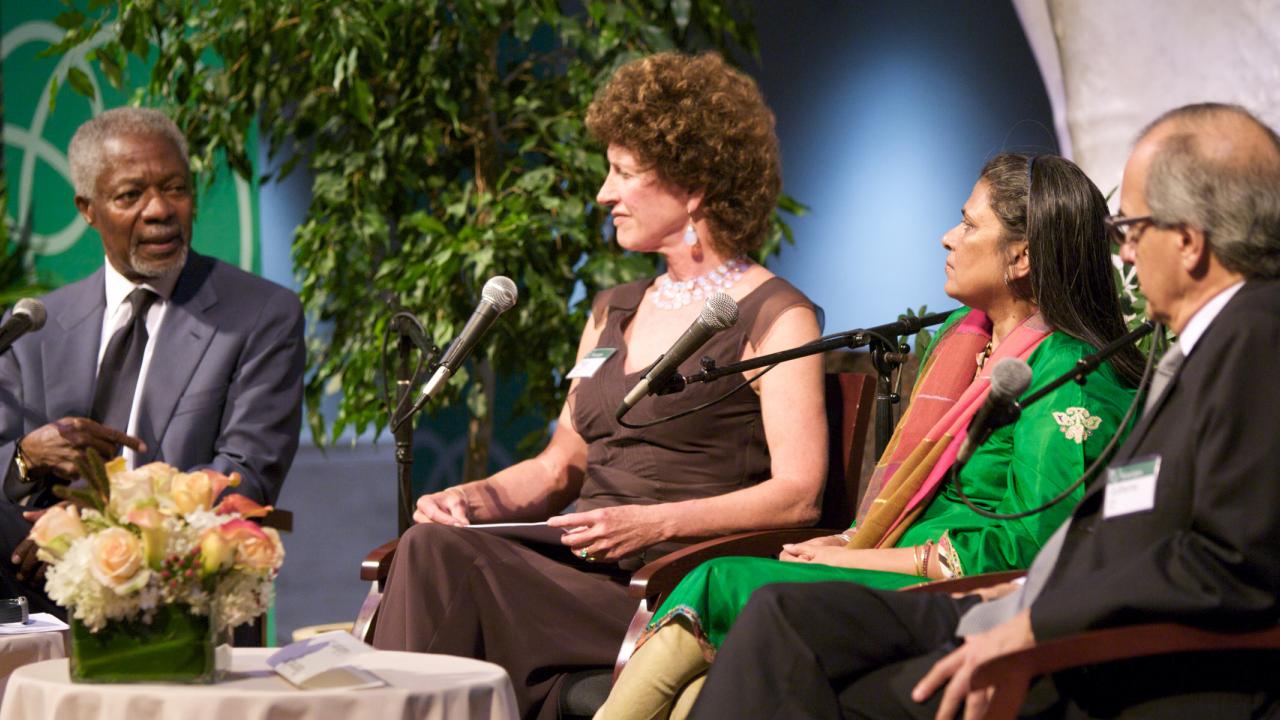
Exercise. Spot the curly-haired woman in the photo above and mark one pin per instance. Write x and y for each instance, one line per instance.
(694, 177)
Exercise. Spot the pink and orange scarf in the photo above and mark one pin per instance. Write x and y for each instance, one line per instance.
(929, 435)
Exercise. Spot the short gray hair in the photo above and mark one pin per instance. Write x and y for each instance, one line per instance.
(85, 152)
(1234, 200)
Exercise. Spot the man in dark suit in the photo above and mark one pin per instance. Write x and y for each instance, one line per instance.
(163, 354)
(1185, 527)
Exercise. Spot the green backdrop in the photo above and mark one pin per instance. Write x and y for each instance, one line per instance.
(35, 155)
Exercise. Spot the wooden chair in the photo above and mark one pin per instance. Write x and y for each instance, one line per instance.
(849, 399)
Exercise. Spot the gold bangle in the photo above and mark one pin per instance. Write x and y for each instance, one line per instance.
(915, 551)
(923, 568)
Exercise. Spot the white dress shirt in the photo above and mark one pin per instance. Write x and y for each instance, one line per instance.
(118, 314)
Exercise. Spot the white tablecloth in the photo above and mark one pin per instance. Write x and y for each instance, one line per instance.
(19, 650)
(430, 687)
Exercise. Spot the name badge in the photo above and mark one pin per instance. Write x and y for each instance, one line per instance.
(1131, 488)
(591, 362)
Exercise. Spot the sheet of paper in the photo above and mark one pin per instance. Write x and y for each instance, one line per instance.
(538, 532)
(324, 662)
(36, 623)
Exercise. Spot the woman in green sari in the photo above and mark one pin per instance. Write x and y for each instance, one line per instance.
(1031, 261)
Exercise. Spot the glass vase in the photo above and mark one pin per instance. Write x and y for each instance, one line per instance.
(176, 646)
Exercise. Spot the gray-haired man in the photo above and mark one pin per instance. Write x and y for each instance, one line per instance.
(163, 354)
(1195, 540)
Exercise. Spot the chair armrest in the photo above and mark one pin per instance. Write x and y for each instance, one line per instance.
(281, 520)
(968, 583)
(1012, 673)
(659, 577)
(377, 564)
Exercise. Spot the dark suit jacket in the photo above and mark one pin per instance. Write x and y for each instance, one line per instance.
(1208, 554)
(224, 388)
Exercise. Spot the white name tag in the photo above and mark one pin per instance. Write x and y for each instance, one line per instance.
(1131, 488)
(590, 363)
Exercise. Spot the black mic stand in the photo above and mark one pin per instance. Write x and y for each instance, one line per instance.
(410, 336)
(887, 355)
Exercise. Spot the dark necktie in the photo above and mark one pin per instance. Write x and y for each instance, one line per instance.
(121, 364)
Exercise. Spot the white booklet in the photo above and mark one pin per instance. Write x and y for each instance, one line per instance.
(323, 662)
(537, 532)
(36, 623)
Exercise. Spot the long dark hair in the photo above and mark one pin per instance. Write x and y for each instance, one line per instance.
(1049, 201)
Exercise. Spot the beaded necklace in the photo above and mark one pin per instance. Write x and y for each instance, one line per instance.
(672, 295)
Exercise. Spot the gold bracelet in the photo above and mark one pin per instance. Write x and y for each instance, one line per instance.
(915, 551)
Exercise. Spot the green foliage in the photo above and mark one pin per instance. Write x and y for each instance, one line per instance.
(446, 144)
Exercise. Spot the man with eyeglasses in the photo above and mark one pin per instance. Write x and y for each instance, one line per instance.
(1184, 528)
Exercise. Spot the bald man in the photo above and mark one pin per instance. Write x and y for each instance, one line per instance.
(1189, 532)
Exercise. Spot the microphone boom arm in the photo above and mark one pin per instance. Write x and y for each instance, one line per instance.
(851, 339)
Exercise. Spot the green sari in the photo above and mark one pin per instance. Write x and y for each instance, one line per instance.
(1020, 467)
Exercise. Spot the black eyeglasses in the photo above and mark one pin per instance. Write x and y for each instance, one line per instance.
(1126, 230)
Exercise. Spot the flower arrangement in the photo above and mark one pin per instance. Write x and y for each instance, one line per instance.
(135, 541)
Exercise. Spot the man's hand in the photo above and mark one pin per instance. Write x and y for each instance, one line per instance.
(612, 533)
(447, 507)
(57, 446)
(30, 569)
(804, 552)
(958, 667)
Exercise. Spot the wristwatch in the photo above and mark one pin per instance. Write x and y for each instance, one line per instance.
(21, 462)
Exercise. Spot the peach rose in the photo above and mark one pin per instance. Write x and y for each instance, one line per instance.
(57, 528)
(256, 548)
(264, 552)
(191, 491)
(131, 488)
(117, 561)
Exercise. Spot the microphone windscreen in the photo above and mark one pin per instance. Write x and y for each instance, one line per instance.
(1010, 378)
(719, 312)
(501, 292)
(32, 308)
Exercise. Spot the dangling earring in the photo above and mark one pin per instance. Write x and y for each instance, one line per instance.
(690, 235)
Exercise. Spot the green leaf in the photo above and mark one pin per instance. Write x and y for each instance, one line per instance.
(80, 82)
(69, 19)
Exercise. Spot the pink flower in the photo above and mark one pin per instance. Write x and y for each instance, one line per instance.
(247, 508)
(255, 548)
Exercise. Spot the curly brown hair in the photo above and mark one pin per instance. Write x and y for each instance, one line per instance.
(702, 125)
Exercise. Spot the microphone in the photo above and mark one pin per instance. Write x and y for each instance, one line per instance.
(498, 296)
(719, 312)
(1009, 379)
(28, 316)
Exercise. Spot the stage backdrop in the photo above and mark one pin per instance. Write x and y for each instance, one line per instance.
(35, 155)
(1112, 66)
(886, 113)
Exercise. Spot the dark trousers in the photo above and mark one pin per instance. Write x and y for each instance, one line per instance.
(814, 650)
(840, 650)
(13, 530)
(539, 613)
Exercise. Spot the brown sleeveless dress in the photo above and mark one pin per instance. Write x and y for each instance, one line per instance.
(538, 611)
